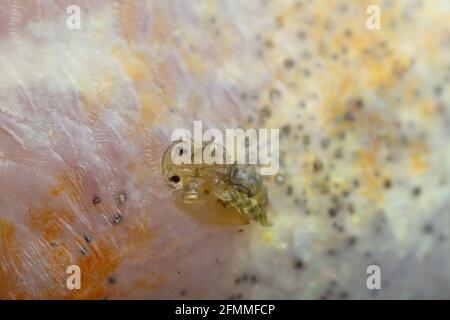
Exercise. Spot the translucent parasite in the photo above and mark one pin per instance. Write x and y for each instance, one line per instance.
(218, 193)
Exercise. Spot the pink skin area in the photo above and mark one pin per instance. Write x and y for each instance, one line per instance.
(81, 178)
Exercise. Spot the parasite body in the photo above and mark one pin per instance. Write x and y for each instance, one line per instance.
(221, 193)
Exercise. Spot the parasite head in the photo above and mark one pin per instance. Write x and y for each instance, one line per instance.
(177, 163)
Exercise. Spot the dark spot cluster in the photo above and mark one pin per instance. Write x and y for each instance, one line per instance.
(236, 296)
(246, 278)
(333, 292)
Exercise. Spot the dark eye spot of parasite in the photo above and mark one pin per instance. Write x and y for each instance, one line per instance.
(174, 179)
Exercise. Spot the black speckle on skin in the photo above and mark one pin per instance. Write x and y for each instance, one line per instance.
(338, 227)
(416, 191)
(117, 217)
(387, 184)
(338, 153)
(333, 211)
(286, 130)
(87, 238)
(289, 191)
(317, 165)
(112, 280)
(351, 241)
(289, 63)
(265, 112)
(356, 103)
(96, 200)
(306, 140)
(299, 264)
(351, 208)
(183, 292)
(83, 251)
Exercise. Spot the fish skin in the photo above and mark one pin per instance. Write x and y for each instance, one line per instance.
(87, 114)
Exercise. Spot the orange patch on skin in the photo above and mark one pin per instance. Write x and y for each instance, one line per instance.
(97, 95)
(418, 153)
(9, 262)
(104, 87)
(7, 231)
(127, 12)
(428, 109)
(147, 73)
(419, 164)
(50, 222)
(70, 183)
(138, 236)
(146, 285)
(151, 106)
(101, 261)
(96, 267)
(90, 104)
(102, 257)
(160, 31)
(56, 191)
(132, 62)
(368, 161)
